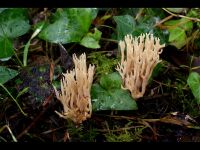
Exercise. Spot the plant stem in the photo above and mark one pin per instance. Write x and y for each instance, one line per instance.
(110, 40)
(6, 126)
(18, 59)
(13, 99)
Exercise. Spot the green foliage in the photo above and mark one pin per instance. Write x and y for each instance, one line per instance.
(72, 25)
(178, 29)
(194, 12)
(177, 37)
(37, 31)
(6, 47)
(176, 10)
(2, 9)
(108, 95)
(81, 134)
(110, 81)
(150, 13)
(7, 74)
(125, 25)
(103, 64)
(122, 137)
(125, 135)
(194, 84)
(15, 100)
(159, 69)
(147, 21)
(13, 23)
(91, 40)
(129, 11)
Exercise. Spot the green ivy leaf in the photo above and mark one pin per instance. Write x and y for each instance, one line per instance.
(6, 74)
(194, 83)
(178, 29)
(6, 47)
(110, 81)
(13, 23)
(125, 25)
(91, 40)
(183, 23)
(2, 9)
(68, 25)
(177, 37)
(109, 96)
(159, 68)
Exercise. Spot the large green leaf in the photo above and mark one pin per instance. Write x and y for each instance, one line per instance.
(6, 48)
(114, 99)
(111, 81)
(182, 23)
(125, 25)
(91, 40)
(194, 83)
(109, 95)
(177, 37)
(177, 30)
(13, 23)
(69, 25)
(6, 74)
(2, 9)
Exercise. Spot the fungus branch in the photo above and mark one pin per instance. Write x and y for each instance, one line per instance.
(139, 56)
(75, 91)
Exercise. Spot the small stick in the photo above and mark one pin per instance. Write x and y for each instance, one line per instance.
(6, 126)
(176, 15)
(35, 120)
(163, 20)
(31, 125)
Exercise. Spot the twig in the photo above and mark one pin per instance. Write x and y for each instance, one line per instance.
(184, 88)
(155, 96)
(182, 16)
(163, 20)
(34, 121)
(110, 40)
(117, 130)
(53, 130)
(122, 117)
(139, 13)
(19, 61)
(31, 125)
(6, 126)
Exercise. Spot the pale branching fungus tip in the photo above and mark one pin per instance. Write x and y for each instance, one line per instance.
(75, 91)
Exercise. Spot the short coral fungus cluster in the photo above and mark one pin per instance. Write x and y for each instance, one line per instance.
(75, 91)
(139, 56)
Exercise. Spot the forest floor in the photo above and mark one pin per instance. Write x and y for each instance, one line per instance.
(168, 111)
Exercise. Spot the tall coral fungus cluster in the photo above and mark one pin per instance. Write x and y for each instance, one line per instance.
(75, 91)
(139, 56)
